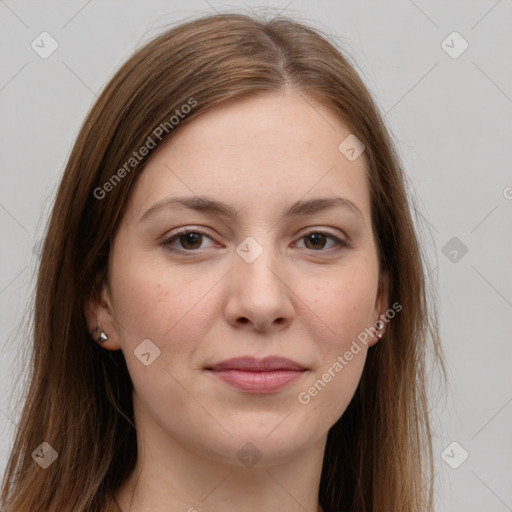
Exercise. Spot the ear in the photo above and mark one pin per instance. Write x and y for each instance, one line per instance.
(99, 315)
(381, 304)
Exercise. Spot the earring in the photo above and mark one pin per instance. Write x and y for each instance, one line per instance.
(379, 325)
(103, 337)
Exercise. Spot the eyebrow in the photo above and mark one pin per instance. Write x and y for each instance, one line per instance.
(210, 206)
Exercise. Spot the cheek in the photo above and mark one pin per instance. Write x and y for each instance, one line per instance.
(152, 300)
(346, 303)
(168, 308)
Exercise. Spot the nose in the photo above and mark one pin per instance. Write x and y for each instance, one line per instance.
(259, 294)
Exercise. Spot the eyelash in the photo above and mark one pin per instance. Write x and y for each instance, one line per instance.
(167, 241)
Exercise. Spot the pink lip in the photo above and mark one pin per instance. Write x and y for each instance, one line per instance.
(258, 375)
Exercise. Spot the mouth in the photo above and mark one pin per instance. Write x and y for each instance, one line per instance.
(253, 375)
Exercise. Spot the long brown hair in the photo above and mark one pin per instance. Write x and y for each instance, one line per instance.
(378, 455)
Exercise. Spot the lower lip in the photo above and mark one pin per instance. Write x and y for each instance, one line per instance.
(258, 382)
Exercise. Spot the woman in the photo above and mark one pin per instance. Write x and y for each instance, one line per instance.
(231, 307)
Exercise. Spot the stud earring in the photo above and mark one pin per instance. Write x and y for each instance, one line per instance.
(103, 337)
(379, 325)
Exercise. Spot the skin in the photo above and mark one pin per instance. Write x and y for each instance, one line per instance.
(299, 299)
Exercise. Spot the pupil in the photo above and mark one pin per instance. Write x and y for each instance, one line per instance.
(190, 238)
(316, 239)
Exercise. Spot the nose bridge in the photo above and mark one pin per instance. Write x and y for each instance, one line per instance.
(258, 262)
(258, 292)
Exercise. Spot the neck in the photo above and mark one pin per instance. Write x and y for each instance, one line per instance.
(171, 476)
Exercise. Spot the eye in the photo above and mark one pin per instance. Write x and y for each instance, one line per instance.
(316, 241)
(189, 239)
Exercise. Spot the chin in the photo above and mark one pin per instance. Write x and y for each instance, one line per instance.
(266, 445)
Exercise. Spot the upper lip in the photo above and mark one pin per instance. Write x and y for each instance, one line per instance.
(253, 364)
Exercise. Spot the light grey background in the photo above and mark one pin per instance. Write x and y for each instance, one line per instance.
(450, 116)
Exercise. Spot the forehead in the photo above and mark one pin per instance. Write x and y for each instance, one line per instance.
(261, 151)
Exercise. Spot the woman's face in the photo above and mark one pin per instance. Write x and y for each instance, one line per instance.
(278, 279)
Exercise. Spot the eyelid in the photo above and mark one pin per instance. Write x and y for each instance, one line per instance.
(340, 243)
(174, 235)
